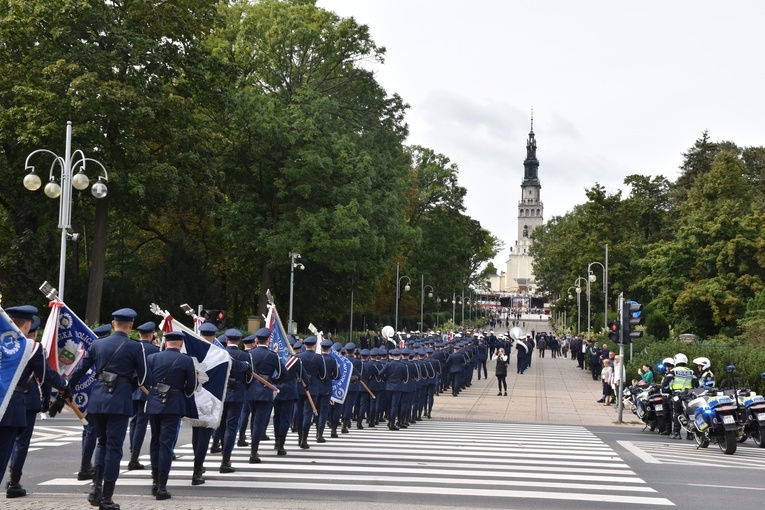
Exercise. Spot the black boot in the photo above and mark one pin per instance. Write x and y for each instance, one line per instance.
(225, 464)
(15, 490)
(334, 431)
(304, 440)
(280, 445)
(215, 448)
(196, 476)
(162, 488)
(134, 464)
(359, 424)
(264, 436)
(254, 458)
(154, 483)
(392, 425)
(346, 424)
(402, 425)
(94, 496)
(242, 438)
(320, 435)
(276, 442)
(106, 498)
(86, 469)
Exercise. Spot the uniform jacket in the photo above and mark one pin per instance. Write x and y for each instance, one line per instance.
(266, 364)
(396, 375)
(149, 349)
(236, 391)
(129, 363)
(175, 369)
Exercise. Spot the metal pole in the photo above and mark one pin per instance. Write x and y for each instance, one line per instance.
(605, 292)
(292, 286)
(454, 305)
(398, 284)
(621, 364)
(350, 334)
(422, 301)
(65, 207)
(578, 313)
(588, 304)
(462, 320)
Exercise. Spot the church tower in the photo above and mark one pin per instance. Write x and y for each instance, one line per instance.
(530, 208)
(520, 275)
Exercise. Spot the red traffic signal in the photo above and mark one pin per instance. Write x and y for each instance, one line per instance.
(614, 332)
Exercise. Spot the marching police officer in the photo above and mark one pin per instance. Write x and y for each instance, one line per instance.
(17, 423)
(260, 398)
(118, 361)
(172, 376)
(236, 396)
(140, 420)
(284, 403)
(315, 369)
(331, 372)
(89, 431)
(396, 376)
(354, 389)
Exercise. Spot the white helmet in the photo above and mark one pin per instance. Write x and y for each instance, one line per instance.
(703, 362)
(668, 361)
(680, 358)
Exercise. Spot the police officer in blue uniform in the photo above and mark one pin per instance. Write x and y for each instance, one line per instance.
(456, 364)
(284, 403)
(434, 369)
(140, 420)
(260, 398)
(236, 396)
(331, 372)
(17, 423)
(396, 376)
(314, 369)
(172, 379)
(354, 388)
(119, 363)
(89, 431)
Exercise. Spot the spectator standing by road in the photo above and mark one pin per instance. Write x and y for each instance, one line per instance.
(607, 376)
(542, 346)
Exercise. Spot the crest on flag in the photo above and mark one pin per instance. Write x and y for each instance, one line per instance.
(340, 385)
(279, 343)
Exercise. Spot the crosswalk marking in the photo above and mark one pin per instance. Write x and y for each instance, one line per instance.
(685, 453)
(461, 459)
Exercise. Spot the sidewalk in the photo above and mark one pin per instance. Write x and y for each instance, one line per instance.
(551, 391)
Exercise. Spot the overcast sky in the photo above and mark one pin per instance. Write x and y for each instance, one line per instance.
(617, 88)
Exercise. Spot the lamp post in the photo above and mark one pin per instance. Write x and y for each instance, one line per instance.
(293, 266)
(80, 181)
(591, 278)
(422, 301)
(398, 291)
(578, 304)
(454, 305)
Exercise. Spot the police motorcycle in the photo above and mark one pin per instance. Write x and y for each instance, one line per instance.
(709, 415)
(750, 414)
(647, 403)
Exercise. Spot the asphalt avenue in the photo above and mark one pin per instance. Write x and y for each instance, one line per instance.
(547, 445)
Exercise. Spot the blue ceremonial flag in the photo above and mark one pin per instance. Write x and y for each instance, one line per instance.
(15, 351)
(340, 385)
(279, 343)
(66, 339)
(212, 364)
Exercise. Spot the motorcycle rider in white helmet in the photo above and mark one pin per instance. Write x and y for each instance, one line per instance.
(707, 378)
(680, 378)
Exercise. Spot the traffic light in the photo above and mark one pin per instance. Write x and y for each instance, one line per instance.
(615, 332)
(632, 317)
(217, 317)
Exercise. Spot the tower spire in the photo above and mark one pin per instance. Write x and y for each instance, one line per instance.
(532, 119)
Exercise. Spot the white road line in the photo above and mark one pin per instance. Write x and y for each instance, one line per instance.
(637, 452)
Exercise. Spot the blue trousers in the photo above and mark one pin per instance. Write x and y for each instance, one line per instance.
(283, 410)
(110, 431)
(260, 412)
(394, 404)
(7, 437)
(350, 404)
(164, 432)
(229, 424)
(200, 440)
(138, 423)
(21, 445)
(88, 440)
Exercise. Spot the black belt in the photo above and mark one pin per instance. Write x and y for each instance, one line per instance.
(119, 378)
(22, 389)
(169, 390)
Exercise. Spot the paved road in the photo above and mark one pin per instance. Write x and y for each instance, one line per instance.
(547, 445)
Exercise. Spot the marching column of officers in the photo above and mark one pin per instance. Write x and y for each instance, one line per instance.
(137, 385)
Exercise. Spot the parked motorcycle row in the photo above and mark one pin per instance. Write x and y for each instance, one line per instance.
(710, 415)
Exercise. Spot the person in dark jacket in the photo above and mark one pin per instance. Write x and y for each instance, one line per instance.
(502, 360)
(173, 379)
